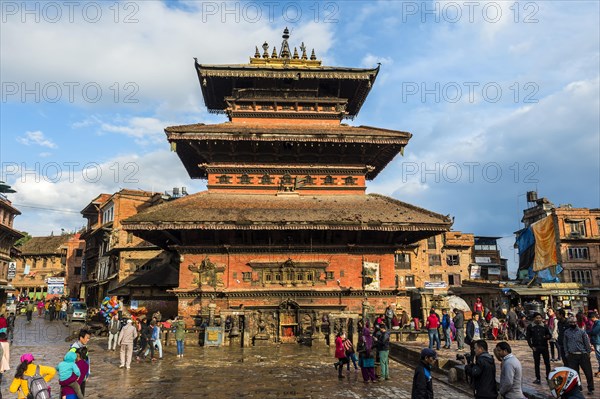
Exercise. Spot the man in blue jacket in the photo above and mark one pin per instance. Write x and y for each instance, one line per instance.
(446, 328)
(422, 387)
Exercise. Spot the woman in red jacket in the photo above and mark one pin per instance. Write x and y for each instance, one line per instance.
(340, 354)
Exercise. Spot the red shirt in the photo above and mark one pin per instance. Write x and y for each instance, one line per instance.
(432, 321)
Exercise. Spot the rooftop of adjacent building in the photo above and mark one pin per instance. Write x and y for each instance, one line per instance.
(46, 245)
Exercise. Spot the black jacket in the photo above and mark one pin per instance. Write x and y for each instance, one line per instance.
(459, 320)
(562, 326)
(422, 386)
(383, 341)
(538, 336)
(471, 331)
(483, 372)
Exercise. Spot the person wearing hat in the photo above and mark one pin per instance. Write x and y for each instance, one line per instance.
(577, 347)
(27, 368)
(422, 387)
(126, 337)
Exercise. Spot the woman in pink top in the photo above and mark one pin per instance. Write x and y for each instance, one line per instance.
(40, 307)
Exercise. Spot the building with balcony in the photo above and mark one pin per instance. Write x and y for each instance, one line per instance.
(578, 243)
(430, 267)
(8, 237)
(112, 255)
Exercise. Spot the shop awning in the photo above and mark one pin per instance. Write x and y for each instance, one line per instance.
(535, 291)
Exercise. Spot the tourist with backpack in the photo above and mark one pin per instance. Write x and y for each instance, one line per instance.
(32, 378)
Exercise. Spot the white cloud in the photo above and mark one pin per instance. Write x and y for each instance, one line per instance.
(49, 203)
(154, 55)
(36, 138)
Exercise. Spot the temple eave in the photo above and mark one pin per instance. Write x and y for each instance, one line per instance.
(283, 226)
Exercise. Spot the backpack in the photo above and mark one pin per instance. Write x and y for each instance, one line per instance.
(38, 387)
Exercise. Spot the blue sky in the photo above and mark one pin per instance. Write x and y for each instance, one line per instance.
(501, 97)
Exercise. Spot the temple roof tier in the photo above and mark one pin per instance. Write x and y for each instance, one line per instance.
(309, 144)
(218, 211)
(221, 82)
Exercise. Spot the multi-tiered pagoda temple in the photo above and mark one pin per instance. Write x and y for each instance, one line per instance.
(285, 238)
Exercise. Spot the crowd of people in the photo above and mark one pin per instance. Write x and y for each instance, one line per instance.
(570, 338)
(57, 308)
(553, 337)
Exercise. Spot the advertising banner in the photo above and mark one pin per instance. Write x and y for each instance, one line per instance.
(12, 270)
(56, 285)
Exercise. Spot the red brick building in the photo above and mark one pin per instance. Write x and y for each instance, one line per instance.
(285, 238)
(577, 246)
(113, 255)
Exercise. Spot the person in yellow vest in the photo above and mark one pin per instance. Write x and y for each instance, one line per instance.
(25, 371)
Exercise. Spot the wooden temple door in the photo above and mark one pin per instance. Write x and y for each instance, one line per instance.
(288, 322)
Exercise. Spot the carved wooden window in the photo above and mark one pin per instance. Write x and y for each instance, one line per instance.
(309, 277)
(247, 276)
(452, 260)
(431, 243)
(329, 276)
(278, 277)
(286, 179)
(234, 274)
(409, 281)
(578, 253)
(266, 179)
(402, 261)
(245, 179)
(289, 276)
(268, 277)
(309, 180)
(328, 180)
(224, 179)
(299, 277)
(350, 181)
(435, 260)
(576, 228)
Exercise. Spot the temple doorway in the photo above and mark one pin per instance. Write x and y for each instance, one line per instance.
(288, 322)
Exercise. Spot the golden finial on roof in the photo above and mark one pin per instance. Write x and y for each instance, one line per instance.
(285, 48)
(285, 59)
(303, 49)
